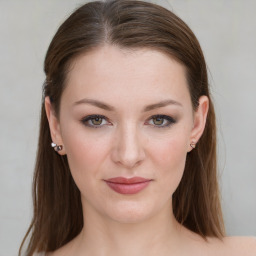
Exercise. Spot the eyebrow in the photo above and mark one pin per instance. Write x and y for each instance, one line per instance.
(107, 107)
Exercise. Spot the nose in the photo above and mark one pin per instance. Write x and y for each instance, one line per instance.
(128, 150)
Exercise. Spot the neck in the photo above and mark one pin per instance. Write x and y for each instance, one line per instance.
(104, 236)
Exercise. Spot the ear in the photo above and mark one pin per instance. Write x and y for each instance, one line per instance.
(200, 116)
(54, 125)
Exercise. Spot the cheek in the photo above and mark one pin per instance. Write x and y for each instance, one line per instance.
(171, 151)
(170, 158)
(85, 153)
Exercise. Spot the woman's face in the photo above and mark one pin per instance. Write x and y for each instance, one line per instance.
(126, 114)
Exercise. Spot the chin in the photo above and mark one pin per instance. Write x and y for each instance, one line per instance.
(129, 213)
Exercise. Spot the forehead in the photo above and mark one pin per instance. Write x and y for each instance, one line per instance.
(142, 74)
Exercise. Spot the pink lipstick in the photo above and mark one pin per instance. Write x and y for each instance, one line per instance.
(128, 186)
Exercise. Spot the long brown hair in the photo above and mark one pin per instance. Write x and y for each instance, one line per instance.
(58, 216)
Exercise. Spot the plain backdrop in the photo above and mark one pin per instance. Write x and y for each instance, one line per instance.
(226, 30)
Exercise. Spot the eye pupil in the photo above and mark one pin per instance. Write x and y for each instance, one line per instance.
(158, 120)
(98, 121)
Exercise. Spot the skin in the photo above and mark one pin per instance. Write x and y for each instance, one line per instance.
(128, 142)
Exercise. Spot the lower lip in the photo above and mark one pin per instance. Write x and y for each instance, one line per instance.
(128, 188)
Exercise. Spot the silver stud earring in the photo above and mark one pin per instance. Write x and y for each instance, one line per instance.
(56, 147)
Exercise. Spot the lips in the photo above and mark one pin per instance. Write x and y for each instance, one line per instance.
(128, 186)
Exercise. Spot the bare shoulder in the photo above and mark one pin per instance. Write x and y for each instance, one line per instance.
(244, 245)
(212, 246)
(235, 246)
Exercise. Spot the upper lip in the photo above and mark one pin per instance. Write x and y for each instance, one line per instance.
(122, 180)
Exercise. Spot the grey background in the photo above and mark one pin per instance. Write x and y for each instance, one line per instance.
(226, 30)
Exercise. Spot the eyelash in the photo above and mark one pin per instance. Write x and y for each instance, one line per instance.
(91, 117)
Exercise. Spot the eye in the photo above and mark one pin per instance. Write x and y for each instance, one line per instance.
(94, 121)
(161, 121)
(98, 121)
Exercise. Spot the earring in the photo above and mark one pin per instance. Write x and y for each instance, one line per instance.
(56, 147)
(193, 145)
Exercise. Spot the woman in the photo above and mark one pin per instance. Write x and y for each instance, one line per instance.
(128, 114)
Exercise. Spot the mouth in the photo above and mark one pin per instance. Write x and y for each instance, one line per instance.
(126, 186)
